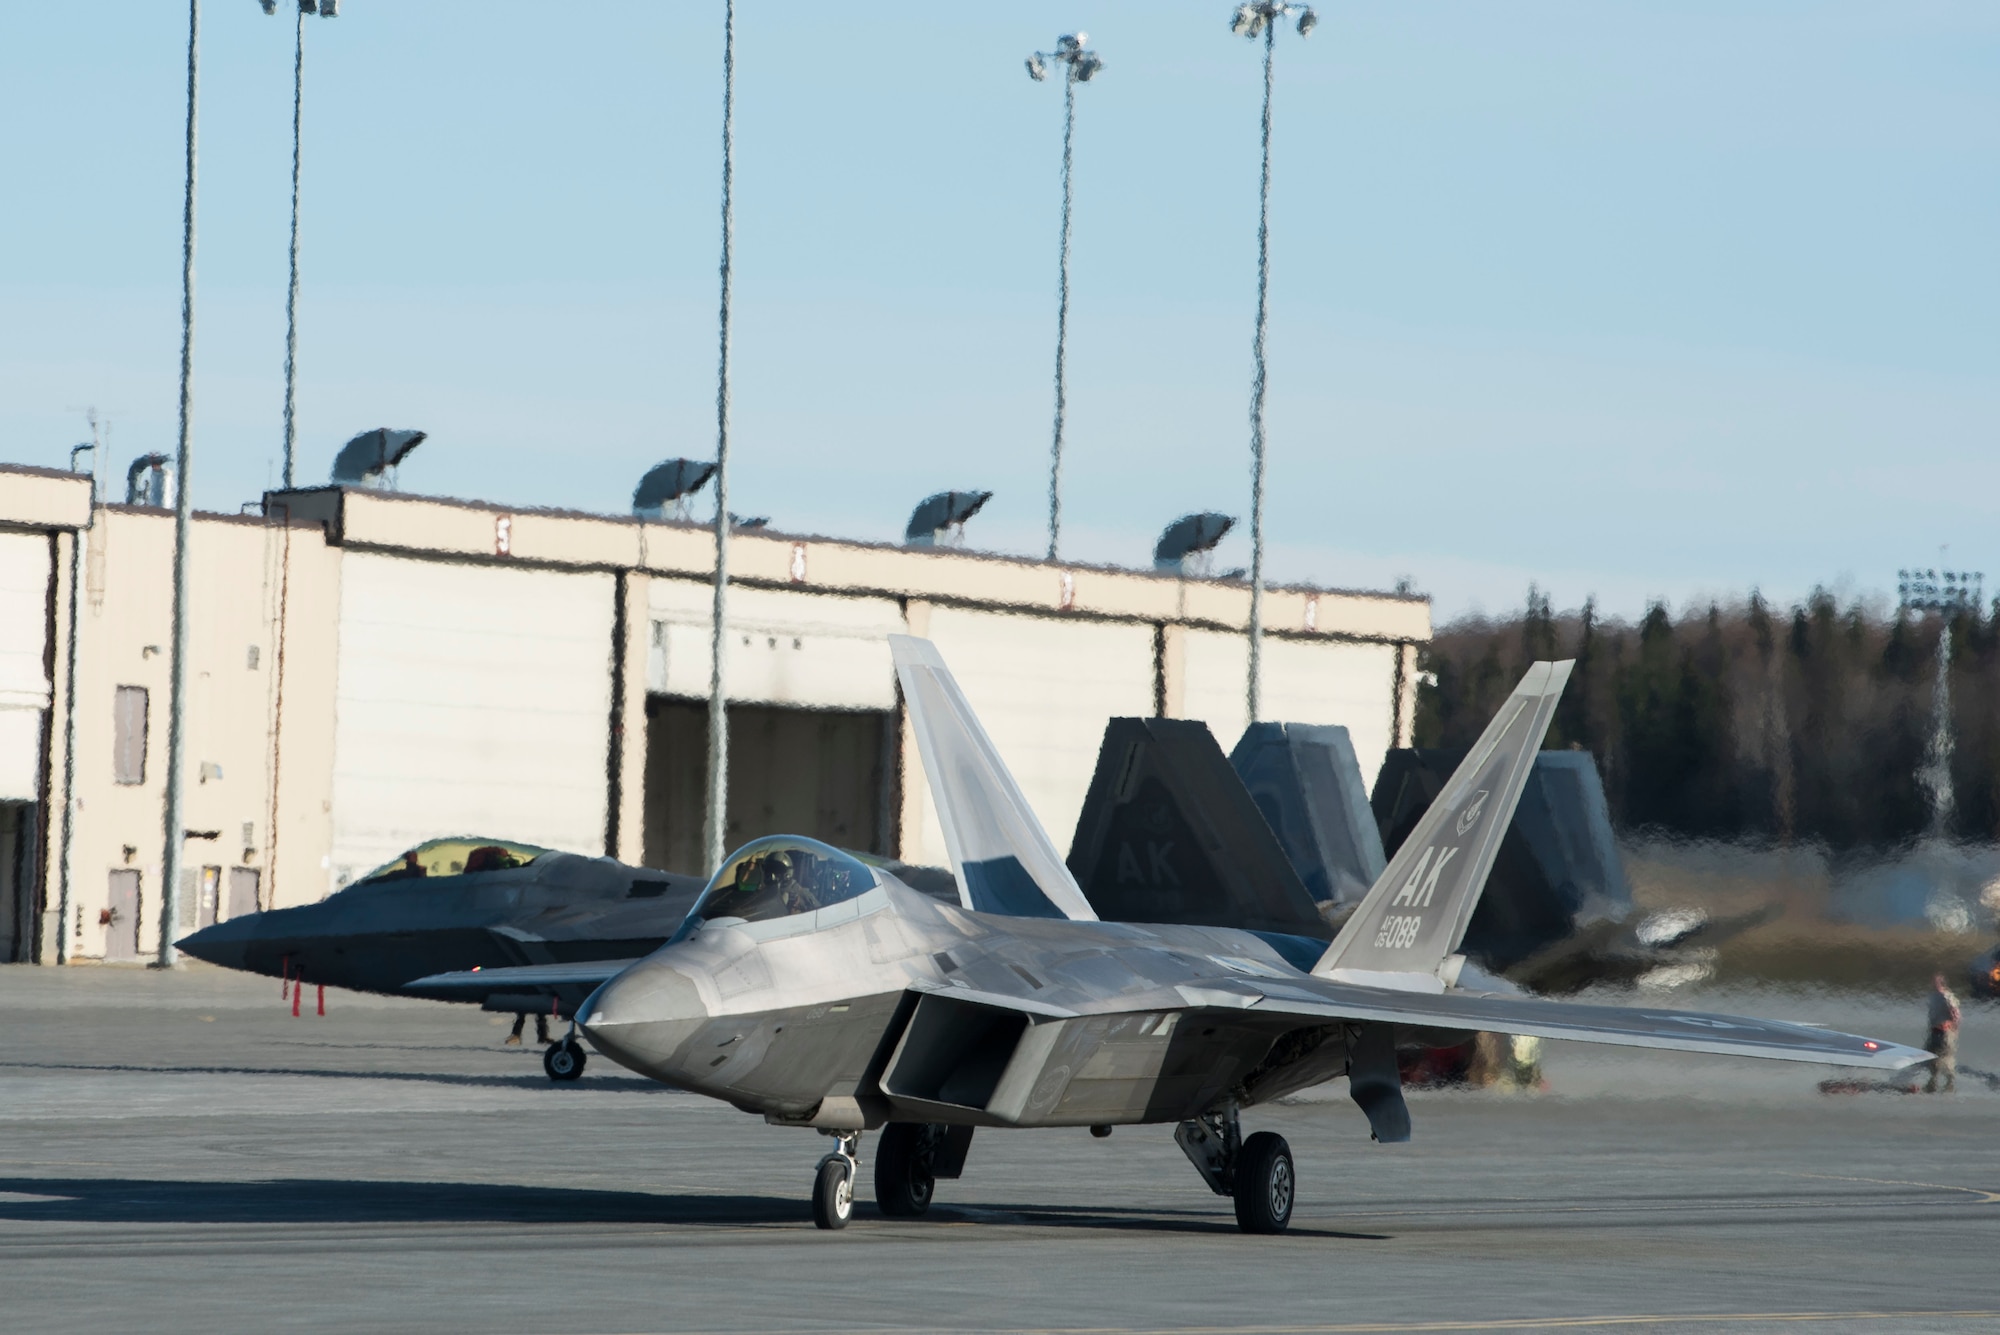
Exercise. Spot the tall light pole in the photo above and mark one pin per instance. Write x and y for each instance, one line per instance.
(174, 823)
(325, 9)
(714, 827)
(1260, 19)
(1078, 66)
(65, 865)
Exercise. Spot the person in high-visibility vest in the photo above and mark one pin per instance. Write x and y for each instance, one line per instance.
(1942, 1040)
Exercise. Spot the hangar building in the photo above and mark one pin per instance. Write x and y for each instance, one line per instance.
(370, 669)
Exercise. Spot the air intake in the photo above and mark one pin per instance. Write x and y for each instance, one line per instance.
(146, 481)
(367, 460)
(940, 520)
(1188, 545)
(672, 483)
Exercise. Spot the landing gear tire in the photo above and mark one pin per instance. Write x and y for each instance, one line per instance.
(563, 1061)
(833, 1193)
(1265, 1184)
(904, 1160)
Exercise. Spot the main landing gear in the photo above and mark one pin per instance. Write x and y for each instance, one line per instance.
(833, 1181)
(564, 1061)
(906, 1167)
(1256, 1173)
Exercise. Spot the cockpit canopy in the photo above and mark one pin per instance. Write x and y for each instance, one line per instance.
(461, 855)
(779, 877)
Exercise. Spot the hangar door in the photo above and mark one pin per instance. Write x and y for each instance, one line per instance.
(24, 678)
(820, 773)
(24, 705)
(812, 722)
(1043, 688)
(472, 699)
(1305, 681)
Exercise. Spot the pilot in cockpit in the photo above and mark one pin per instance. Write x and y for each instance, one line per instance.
(781, 878)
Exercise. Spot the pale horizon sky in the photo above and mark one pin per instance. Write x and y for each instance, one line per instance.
(1617, 300)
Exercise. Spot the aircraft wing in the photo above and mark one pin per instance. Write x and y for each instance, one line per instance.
(525, 978)
(1624, 1026)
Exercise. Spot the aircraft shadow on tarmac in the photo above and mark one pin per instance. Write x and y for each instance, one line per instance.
(622, 1084)
(125, 1200)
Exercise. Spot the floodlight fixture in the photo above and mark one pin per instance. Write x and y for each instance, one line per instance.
(1187, 546)
(1924, 589)
(365, 461)
(1080, 65)
(939, 521)
(670, 483)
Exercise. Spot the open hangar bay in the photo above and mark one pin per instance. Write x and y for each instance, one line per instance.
(181, 1154)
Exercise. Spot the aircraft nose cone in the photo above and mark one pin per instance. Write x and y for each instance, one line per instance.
(225, 943)
(644, 1016)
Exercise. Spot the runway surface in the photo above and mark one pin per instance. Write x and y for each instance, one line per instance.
(178, 1153)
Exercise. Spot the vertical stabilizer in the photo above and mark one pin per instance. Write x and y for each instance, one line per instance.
(1306, 781)
(999, 851)
(1415, 915)
(1169, 834)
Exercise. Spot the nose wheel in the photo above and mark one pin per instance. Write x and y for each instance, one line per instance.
(564, 1061)
(833, 1182)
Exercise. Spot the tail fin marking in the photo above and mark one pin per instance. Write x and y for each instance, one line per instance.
(1415, 914)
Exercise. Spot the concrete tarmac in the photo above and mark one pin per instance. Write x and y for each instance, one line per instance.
(177, 1153)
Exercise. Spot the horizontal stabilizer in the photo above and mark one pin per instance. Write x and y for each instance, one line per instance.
(1000, 853)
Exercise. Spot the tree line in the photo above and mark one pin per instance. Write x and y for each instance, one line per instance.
(1749, 721)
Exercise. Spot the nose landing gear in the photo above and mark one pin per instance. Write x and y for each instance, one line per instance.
(564, 1061)
(833, 1181)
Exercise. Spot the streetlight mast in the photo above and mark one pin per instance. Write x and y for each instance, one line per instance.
(1078, 66)
(1260, 19)
(715, 826)
(325, 9)
(174, 818)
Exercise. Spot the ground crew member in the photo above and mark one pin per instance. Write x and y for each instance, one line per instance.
(520, 1021)
(1942, 1040)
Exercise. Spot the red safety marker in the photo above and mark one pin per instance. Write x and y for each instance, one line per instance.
(297, 992)
(322, 998)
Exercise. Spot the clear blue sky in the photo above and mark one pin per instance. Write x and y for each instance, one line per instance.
(1633, 300)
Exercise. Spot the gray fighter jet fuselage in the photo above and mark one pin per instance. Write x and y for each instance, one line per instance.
(816, 991)
(460, 904)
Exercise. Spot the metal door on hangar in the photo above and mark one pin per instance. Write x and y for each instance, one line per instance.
(823, 773)
(17, 882)
(121, 917)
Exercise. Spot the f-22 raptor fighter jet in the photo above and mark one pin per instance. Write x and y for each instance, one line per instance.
(816, 991)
